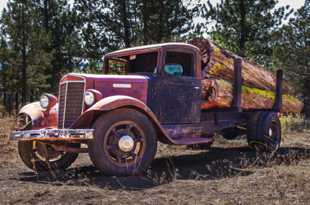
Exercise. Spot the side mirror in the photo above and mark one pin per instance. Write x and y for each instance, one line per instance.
(174, 69)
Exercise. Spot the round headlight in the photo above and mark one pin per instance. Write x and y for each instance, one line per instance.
(44, 101)
(89, 98)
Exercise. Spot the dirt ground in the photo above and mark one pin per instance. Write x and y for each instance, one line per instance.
(229, 173)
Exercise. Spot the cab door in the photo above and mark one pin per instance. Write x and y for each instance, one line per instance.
(175, 92)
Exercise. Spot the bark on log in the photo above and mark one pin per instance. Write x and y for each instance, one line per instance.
(218, 94)
(218, 63)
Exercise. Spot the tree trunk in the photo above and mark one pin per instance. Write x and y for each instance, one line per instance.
(24, 61)
(218, 93)
(161, 31)
(126, 24)
(243, 28)
(46, 15)
(218, 63)
(10, 103)
(58, 61)
(145, 19)
(5, 100)
(258, 87)
(16, 101)
(24, 77)
(306, 100)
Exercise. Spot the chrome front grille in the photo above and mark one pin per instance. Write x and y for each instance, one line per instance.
(70, 102)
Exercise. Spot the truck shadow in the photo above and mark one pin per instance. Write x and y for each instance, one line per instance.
(216, 163)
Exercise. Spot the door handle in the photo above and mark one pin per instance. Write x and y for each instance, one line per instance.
(196, 88)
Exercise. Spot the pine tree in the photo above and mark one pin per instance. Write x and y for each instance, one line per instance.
(4, 52)
(60, 23)
(25, 53)
(292, 52)
(166, 20)
(106, 25)
(109, 25)
(246, 26)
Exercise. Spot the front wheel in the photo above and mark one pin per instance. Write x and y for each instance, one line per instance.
(125, 142)
(42, 157)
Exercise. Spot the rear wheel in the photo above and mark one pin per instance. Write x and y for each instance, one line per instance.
(125, 142)
(264, 132)
(42, 157)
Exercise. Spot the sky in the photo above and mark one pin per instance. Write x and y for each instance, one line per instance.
(295, 4)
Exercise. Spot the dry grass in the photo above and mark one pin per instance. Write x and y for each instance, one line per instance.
(226, 174)
(8, 148)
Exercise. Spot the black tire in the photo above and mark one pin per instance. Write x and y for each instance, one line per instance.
(33, 161)
(230, 133)
(103, 157)
(264, 132)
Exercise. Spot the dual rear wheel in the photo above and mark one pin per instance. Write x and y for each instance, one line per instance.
(264, 132)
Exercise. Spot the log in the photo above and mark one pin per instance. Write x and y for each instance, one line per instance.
(218, 94)
(258, 84)
(219, 63)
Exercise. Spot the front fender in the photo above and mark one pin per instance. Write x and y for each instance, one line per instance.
(114, 102)
(40, 117)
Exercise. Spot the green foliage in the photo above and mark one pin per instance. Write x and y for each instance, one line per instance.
(245, 26)
(26, 58)
(40, 40)
(108, 25)
(292, 51)
(294, 123)
(163, 21)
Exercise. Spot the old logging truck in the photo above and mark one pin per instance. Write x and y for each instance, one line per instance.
(145, 95)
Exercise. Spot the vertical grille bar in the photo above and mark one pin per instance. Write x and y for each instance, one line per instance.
(70, 103)
(61, 104)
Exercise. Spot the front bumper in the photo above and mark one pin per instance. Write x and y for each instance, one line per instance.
(53, 134)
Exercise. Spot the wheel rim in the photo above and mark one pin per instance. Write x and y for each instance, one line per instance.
(124, 143)
(273, 136)
(45, 152)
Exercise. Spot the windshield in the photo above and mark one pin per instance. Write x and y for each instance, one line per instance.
(138, 63)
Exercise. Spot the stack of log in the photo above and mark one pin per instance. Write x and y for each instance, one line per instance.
(258, 87)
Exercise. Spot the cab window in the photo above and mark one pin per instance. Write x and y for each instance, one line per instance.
(179, 64)
(136, 63)
(117, 66)
(145, 62)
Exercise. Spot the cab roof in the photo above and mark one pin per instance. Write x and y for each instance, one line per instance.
(150, 48)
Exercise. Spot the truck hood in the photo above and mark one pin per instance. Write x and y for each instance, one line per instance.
(108, 85)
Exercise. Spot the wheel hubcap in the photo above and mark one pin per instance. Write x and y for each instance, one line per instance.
(270, 132)
(46, 152)
(126, 143)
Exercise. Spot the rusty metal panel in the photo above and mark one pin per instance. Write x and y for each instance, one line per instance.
(174, 99)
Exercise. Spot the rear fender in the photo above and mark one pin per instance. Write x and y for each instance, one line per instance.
(40, 118)
(119, 101)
